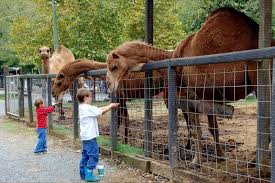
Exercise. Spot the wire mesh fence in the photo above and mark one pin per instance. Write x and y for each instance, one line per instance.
(216, 118)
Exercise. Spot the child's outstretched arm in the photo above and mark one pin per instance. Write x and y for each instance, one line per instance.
(51, 108)
(108, 107)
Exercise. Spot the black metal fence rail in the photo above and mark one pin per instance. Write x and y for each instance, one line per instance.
(171, 64)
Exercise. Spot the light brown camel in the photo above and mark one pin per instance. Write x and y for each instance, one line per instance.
(225, 30)
(53, 64)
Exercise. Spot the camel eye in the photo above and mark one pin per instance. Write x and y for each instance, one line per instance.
(58, 83)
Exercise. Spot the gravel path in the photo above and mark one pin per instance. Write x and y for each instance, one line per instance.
(18, 163)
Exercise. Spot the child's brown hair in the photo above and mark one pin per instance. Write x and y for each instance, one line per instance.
(81, 93)
(38, 101)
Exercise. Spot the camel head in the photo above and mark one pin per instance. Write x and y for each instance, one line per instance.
(45, 52)
(61, 84)
(130, 56)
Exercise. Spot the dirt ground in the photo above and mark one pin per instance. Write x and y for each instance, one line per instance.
(19, 164)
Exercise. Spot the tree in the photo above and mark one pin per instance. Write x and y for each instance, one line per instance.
(193, 13)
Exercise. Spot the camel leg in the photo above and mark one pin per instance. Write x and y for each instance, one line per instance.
(123, 118)
(196, 134)
(61, 112)
(214, 130)
(189, 143)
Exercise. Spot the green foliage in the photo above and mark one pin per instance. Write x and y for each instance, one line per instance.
(92, 28)
(193, 13)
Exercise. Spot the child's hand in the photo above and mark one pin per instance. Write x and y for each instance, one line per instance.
(114, 105)
(57, 103)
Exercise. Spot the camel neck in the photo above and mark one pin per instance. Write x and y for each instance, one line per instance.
(45, 66)
(155, 54)
(82, 66)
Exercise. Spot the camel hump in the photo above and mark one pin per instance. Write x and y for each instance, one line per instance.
(65, 53)
(254, 25)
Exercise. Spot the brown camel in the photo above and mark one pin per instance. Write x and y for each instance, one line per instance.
(71, 71)
(225, 30)
(53, 64)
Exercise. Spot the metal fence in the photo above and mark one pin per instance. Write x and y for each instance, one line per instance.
(154, 124)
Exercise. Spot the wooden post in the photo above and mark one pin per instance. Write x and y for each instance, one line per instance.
(29, 91)
(148, 115)
(75, 109)
(50, 119)
(149, 17)
(264, 82)
(113, 125)
(21, 97)
(172, 119)
(6, 73)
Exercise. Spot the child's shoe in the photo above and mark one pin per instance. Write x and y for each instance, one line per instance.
(89, 176)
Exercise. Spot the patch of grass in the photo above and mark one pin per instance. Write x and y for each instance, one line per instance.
(248, 101)
(12, 126)
(126, 149)
(2, 97)
(62, 130)
(122, 148)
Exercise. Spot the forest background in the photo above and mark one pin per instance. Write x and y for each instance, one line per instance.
(92, 28)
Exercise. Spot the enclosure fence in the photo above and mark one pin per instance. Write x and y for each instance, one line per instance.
(211, 124)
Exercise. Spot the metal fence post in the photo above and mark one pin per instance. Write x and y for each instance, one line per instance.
(264, 103)
(113, 125)
(29, 91)
(21, 97)
(172, 119)
(50, 103)
(149, 17)
(148, 115)
(75, 109)
(273, 126)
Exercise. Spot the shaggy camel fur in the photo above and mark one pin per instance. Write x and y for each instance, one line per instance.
(225, 30)
(53, 64)
(72, 70)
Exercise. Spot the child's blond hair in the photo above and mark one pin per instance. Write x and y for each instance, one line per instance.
(38, 101)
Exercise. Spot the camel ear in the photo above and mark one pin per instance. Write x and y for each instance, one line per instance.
(137, 67)
(51, 50)
(115, 56)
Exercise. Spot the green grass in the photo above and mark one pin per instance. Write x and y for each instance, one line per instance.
(122, 148)
(2, 97)
(102, 141)
(249, 100)
(62, 130)
(12, 126)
